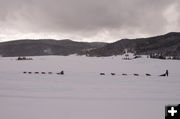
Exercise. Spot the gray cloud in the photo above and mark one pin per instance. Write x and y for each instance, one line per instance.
(86, 18)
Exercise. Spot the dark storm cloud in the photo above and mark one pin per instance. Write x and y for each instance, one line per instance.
(86, 17)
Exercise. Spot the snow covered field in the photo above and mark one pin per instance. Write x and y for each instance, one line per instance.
(82, 93)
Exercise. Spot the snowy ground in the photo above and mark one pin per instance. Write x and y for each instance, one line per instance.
(82, 93)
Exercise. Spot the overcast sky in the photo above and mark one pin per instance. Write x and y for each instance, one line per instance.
(87, 20)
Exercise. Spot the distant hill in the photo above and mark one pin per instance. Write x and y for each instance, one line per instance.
(41, 47)
(168, 44)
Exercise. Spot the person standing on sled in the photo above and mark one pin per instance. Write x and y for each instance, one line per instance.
(167, 73)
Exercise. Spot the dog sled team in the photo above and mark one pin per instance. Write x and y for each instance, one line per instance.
(59, 73)
(125, 74)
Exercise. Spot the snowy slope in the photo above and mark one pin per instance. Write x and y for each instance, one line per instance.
(82, 93)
